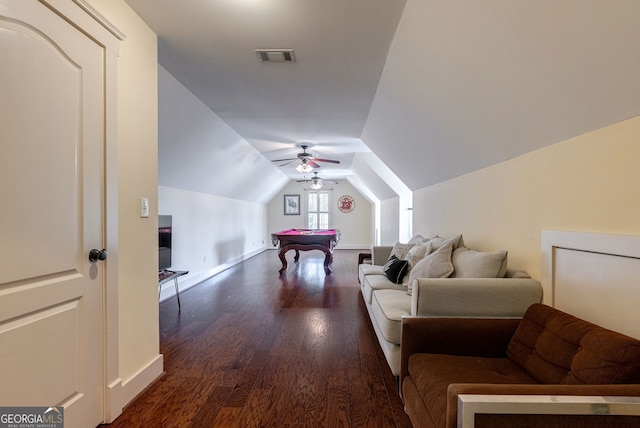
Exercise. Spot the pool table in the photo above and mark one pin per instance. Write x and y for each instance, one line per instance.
(305, 240)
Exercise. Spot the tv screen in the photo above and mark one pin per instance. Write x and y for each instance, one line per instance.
(164, 242)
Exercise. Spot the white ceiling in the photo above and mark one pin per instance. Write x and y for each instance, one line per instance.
(322, 99)
(436, 88)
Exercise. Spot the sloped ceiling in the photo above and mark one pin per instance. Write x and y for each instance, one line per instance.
(195, 147)
(434, 88)
(471, 83)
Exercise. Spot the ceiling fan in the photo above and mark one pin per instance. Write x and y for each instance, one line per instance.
(308, 161)
(316, 182)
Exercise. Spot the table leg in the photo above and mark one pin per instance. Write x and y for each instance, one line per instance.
(283, 259)
(175, 283)
(328, 259)
(297, 256)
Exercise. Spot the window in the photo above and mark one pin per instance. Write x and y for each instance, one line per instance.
(318, 210)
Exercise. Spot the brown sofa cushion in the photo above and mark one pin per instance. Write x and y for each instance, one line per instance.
(433, 373)
(558, 348)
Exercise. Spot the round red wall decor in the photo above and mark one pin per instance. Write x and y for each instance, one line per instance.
(346, 204)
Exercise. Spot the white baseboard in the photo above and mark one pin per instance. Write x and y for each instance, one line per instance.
(120, 393)
(362, 247)
(191, 280)
(113, 405)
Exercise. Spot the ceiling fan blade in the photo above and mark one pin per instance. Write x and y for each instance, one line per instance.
(286, 163)
(328, 181)
(326, 160)
(284, 160)
(312, 163)
(303, 181)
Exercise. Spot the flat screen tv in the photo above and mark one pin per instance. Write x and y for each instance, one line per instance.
(164, 242)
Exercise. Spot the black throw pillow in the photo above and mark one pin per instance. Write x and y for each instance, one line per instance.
(395, 269)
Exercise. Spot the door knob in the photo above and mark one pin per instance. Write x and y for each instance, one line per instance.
(95, 255)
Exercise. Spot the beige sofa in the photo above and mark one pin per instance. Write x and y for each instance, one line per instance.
(508, 294)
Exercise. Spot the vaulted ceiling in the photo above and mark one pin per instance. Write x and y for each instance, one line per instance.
(432, 88)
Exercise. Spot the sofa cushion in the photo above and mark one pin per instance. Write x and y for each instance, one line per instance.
(435, 265)
(555, 347)
(432, 374)
(478, 264)
(400, 250)
(395, 269)
(418, 240)
(606, 357)
(455, 242)
(389, 306)
(365, 269)
(417, 253)
(516, 273)
(378, 282)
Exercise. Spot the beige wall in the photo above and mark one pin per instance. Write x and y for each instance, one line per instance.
(390, 212)
(210, 233)
(356, 226)
(137, 177)
(589, 183)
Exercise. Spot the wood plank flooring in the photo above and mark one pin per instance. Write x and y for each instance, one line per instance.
(251, 348)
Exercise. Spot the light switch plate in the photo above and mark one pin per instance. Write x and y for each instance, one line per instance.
(144, 207)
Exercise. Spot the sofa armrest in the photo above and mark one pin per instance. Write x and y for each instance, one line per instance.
(474, 297)
(480, 337)
(593, 396)
(380, 254)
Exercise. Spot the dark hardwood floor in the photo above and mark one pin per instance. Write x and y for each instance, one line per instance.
(251, 348)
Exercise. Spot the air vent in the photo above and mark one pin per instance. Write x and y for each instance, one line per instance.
(276, 55)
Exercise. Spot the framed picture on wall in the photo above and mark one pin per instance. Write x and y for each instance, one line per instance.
(291, 204)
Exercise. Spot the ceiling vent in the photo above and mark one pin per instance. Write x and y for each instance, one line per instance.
(276, 55)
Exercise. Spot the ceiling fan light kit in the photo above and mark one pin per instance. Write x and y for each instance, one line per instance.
(308, 161)
(304, 167)
(316, 182)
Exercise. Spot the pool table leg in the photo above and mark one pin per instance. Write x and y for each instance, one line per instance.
(283, 259)
(328, 259)
(328, 256)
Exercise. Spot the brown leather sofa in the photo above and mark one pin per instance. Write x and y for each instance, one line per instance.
(547, 352)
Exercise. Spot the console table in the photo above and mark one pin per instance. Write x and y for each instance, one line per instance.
(168, 275)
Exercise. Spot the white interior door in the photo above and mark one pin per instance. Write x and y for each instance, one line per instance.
(51, 194)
